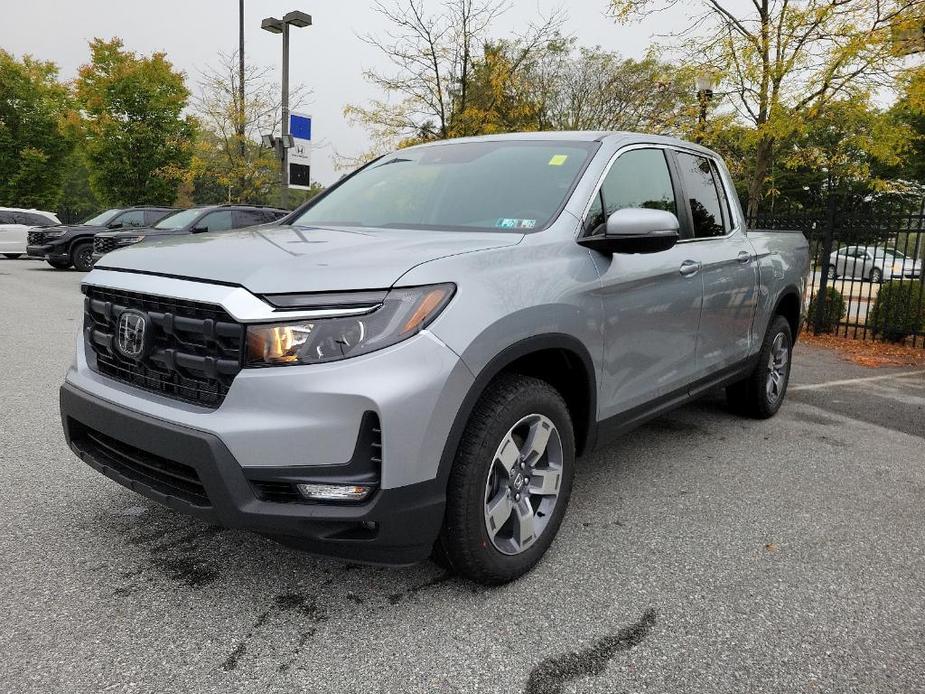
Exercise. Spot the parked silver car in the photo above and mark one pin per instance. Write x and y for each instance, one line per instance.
(412, 363)
(874, 264)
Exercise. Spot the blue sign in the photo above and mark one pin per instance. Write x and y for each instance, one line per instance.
(300, 127)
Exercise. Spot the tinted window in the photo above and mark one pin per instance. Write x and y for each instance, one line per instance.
(132, 218)
(215, 221)
(596, 217)
(152, 216)
(248, 218)
(639, 178)
(497, 185)
(6, 218)
(702, 196)
(178, 220)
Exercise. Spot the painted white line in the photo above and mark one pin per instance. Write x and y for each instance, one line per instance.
(851, 381)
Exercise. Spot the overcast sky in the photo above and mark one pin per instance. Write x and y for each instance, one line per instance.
(328, 57)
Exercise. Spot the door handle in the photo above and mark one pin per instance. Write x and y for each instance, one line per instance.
(744, 257)
(689, 268)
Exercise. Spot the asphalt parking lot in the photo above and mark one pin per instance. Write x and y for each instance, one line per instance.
(701, 553)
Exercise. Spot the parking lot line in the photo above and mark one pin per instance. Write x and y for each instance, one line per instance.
(851, 381)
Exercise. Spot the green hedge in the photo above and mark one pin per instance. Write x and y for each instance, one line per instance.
(899, 310)
(832, 312)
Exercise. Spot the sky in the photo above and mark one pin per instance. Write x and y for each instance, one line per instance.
(328, 57)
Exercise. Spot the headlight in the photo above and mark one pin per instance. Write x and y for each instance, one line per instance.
(54, 234)
(129, 240)
(403, 313)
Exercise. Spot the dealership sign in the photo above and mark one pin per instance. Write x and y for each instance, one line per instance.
(300, 154)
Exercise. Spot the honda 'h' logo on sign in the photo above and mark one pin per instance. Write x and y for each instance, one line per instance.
(130, 334)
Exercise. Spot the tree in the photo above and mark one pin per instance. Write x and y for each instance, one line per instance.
(137, 141)
(35, 139)
(229, 157)
(595, 89)
(433, 57)
(784, 58)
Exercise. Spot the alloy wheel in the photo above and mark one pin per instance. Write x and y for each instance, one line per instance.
(777, 368)
(523, 484)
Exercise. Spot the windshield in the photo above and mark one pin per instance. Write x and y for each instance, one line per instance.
(102, 219)
(178, 220)
(501, 185)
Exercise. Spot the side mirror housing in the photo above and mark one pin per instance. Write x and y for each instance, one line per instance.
(115, 225)
(199, 230)
(636, 230)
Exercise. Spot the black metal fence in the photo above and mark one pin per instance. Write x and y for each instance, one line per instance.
(867, 279)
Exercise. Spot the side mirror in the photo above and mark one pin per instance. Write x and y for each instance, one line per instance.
(115, 225)
(199, 230)
(636, 230)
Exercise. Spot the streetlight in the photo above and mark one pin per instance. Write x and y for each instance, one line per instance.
(281, 26)
(705, 84)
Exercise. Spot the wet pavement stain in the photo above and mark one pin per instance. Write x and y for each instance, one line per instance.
(173, 556)
(551, 675)
(306, 607)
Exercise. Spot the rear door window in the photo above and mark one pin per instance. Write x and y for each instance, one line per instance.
(703, 197)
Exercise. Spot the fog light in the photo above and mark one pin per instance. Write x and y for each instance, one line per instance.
(334, 492)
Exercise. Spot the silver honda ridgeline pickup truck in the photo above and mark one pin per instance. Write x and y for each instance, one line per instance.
(412, 362)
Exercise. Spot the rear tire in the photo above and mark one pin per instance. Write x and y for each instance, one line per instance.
(830, 272)
(82, 256)
(761, 393)
(876, 276)
(512, 473)
(12, 256)
(59, 264)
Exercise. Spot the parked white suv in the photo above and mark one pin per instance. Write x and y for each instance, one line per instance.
(14, 225)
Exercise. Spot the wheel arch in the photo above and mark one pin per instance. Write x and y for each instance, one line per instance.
(789, 305)
(529, 356)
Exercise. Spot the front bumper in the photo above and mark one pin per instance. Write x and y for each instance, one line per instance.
(48, 252)
(192, 471)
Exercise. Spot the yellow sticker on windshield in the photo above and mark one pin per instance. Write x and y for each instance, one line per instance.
(558, 159)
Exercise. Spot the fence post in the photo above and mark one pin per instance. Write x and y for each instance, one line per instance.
(822, 296)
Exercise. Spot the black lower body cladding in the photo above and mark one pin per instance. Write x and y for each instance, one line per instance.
(193, 472)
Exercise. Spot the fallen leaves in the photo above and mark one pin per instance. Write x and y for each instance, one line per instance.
(868, 353)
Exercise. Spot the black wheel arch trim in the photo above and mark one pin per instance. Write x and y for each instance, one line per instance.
(789, 291)
(499, 363)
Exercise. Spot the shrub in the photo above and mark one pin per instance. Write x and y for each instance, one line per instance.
(832, 312)
(899, 310)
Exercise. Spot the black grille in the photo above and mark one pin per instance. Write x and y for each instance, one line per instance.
(194, 353)
(37, 238)
(104, 244)
(161, 474)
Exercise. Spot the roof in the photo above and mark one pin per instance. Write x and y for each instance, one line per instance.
(576, 136)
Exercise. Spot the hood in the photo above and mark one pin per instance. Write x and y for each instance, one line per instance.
(279, 259)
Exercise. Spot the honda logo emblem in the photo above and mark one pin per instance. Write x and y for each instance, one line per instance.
(131, 335)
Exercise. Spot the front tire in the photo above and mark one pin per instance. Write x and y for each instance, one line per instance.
(876, 275)
(511, 480)
(82, 256)
(59, 264)
(761, 393)
(831, 273)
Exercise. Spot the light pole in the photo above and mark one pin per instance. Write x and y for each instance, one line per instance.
(281, 26)
(705, 85)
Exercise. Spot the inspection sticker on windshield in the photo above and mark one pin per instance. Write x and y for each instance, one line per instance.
(558, 159)
(510, 223)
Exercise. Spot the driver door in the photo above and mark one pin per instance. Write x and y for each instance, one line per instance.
(651, 302)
